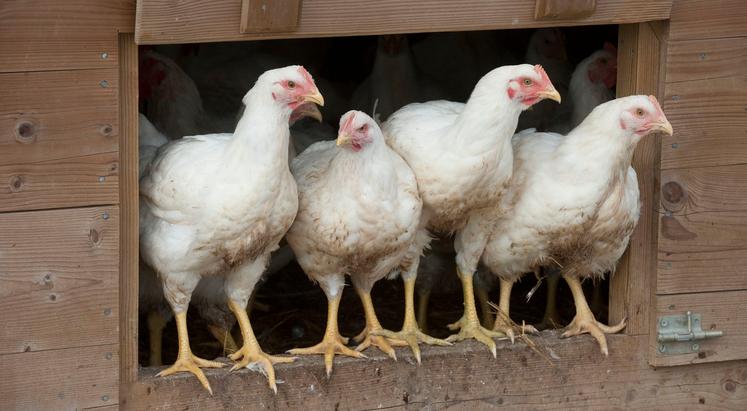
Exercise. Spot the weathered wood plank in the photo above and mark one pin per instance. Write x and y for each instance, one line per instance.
(58, 279)
(170, 21)
(723, 311)
(466, 376)
(709, 119)
(67, 379)
(706, 59)
(262, 16)
(129, 223)
(57, 114)
(640, 53)
(38, 35)
(703, 238)
(79, 181)
(707, 19)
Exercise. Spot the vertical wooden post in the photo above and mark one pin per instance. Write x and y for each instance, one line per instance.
(128, 200)
(641, 52)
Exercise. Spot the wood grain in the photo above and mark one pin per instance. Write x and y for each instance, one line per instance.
(564, 9)
(466, 376)
(57, 115)
(129, 224)
(707, 19)
(67, 379)
(703, 237)
(58, 279)
(74, 182)
(269, 16)
(706, 59)
(723, 311)
(639, 56)
(38, 35)
(173, 21)
(710, 123)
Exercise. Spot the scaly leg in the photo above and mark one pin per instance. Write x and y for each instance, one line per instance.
(251, 351)
(185, 360)
(424, 298)
(469, 324)
(224, 337)
(551, 318)
(333, 343)
(366, 338)
(410, 331)
(156, 324)
(584, 321)
(503, 321)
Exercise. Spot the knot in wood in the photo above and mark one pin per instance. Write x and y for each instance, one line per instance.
(673, 192)
(26, 131)
(15, 183)
(94, 236)
(106, 130)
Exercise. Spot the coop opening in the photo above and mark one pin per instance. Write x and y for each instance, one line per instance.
(197, 89)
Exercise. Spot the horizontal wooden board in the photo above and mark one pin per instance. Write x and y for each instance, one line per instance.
(58, 279)
(74, 182)
(706, 59)
(710, 123)
(68, 379)
(703, 230)
(705, 19)
(170, 21)
(57, 114)
(466, 376)
(38, 35)
(722, 311)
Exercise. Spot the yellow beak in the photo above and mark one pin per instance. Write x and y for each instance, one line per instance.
(664, 127)
(343, 139)
(314, 97)
(550, 94)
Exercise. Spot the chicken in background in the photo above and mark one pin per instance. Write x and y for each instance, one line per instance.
(547, 48)
(206, 208)
(344, 190)
(573, 204)
(462, 158)
(394, 80)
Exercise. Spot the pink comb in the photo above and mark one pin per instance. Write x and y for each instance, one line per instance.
(655, 102)
(306, 75)
(348, 121)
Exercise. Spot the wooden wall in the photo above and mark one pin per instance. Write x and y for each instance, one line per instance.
(702, 244)
(59, 202)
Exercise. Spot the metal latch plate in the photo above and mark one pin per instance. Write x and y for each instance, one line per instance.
(679, 334)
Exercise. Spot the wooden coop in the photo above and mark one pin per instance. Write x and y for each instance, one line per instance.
(69, 213)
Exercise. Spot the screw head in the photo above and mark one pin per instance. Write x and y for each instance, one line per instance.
(104, 56)
(104, 84)
(675, 145)
(104, 398)
(695, 347)
(108, 312)
(108, 356)
(105, 216)
(102, 179)
(664, 323)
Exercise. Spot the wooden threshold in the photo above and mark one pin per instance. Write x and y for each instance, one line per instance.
(464, 375)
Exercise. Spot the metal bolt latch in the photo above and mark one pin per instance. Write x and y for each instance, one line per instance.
(676, 332)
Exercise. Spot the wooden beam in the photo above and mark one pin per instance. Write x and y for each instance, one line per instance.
(169, 21)
(564, 9)
(707, 19)
(269, 16)
(689, 60)
(466, 376)
(57, 115)
(128, 189)
(66, 379)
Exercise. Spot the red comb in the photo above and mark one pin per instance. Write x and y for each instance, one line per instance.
(306, 75)
(610, 47)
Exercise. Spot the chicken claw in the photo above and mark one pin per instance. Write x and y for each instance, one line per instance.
(366, 339)
(584, 321)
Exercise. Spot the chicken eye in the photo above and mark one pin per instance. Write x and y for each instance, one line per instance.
(363, 128)
(603, 60)
(639, 112)
(291, 84)
(527, 82)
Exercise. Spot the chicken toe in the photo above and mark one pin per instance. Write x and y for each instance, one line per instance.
(366, 339)
(469, 325)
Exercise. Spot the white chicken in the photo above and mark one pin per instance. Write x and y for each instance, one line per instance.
(344, 193)
(219, 205)
(573, 203)
(462, 158)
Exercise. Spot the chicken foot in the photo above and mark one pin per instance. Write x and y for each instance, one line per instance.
(366, 339)
(185, 360)
(410, 332)
(503, 323)
(469, 325)
(251, 352)
(584, 321)
(333, 343)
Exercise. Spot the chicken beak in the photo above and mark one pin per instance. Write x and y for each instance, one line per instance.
(663, 126)
(343, 138)
(314, 97)
(550, 93)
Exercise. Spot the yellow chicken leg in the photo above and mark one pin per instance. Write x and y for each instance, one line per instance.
(584, 321)
(185, 360)
(469, 325)
(333, 343)
(224, 337)
(251, 352)
(366, 339)
(156, 324)
(410, 332)
(503, 323)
